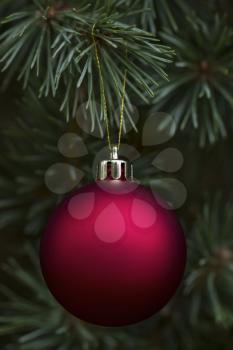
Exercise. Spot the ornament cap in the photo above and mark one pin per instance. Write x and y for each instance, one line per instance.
(114, 168)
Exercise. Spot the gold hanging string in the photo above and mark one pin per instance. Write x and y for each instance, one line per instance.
(103, 97)
(122, 109)
(102, 93)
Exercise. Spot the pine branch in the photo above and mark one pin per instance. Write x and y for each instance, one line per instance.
(152, 15)
(209, 283)
(56, 45)
(29, 147)
(161, 13)
(197, 94)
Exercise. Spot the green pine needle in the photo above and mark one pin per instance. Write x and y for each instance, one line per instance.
(209, 283)
(198, 93)
(56, 45)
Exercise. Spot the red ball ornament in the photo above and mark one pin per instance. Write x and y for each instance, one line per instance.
(111, 254)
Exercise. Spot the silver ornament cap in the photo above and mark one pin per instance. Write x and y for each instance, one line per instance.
(114, 168)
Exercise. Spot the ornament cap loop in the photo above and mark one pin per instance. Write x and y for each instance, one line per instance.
(114, 168)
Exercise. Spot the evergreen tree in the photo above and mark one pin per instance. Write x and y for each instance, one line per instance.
(65, 60)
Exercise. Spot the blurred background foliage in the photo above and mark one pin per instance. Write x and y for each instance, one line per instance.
(49, 46)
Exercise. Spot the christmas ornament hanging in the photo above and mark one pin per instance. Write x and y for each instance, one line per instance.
(111, 254)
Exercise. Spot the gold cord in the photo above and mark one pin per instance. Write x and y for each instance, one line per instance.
(102, 93)
(103, 97)
(122, 110)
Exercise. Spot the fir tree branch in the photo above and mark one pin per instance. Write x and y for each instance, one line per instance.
(209, 282)
(197, 94)
(56, 45)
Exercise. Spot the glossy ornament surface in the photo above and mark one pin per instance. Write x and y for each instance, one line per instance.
(111, 255)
